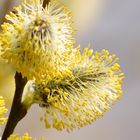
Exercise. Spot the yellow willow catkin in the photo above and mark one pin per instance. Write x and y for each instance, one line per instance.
(3, 110)
(34, 39)
(84, 96)
(24, 137)
(16, 137)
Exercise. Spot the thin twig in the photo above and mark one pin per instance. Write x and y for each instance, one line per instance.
(45, 2)
(18, 111)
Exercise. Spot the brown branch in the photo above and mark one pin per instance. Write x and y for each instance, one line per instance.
(18, 111)
(45, 2)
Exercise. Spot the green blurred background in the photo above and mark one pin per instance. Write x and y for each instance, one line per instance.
(105, 24)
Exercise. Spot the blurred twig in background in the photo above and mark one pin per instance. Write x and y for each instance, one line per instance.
(45, 2)
(6, 7)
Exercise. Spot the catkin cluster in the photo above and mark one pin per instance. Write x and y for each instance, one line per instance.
(73, 87)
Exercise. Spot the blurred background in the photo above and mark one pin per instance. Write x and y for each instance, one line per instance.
(105, 24)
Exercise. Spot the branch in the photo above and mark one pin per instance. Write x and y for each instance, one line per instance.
(45, 2)
(18, 111)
